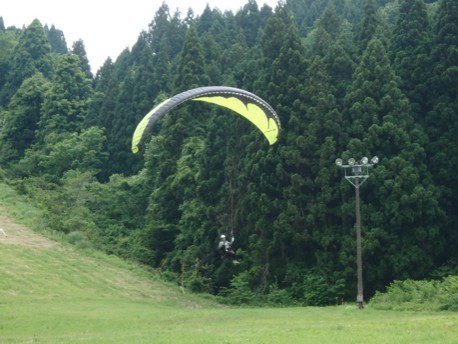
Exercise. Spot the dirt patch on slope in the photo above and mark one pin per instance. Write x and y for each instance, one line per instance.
(18, 234)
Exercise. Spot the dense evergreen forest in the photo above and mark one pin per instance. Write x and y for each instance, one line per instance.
(348, 78)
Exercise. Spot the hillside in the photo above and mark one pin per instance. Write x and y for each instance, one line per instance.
(32, 265)
(51, 292)
(42, 281)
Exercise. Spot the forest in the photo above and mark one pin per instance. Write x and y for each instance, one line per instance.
(347, 78)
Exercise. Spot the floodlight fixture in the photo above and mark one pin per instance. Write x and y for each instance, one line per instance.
(375, 160)
(339, 162)
(364, 160)
(351, 161)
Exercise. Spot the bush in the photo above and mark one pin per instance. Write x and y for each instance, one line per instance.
(419, 295)
(279, 297)
(448, 294)
(319, 291)
(239, 292)
(77, 238)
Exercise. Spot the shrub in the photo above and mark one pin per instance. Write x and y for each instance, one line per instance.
(319, 291)
(74, 237)
(448, 294)
(78, 239)
(279, 297)
(239, 292)
(419, 295)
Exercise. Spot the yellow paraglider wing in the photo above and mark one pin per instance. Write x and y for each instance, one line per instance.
(251, 111)
(143, 125)
(248, 105)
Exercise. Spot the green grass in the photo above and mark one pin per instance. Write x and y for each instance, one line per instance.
(59, 294)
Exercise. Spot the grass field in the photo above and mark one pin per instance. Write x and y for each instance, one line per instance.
(53, 293)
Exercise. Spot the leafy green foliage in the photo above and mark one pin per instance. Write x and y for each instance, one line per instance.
(20, 121)
(66, 103)
(419, 295)
(57, 40)
(31, 54)
(64, 152)
(347, 78)
(78, 239)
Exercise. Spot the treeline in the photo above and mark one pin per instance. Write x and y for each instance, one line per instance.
(347, 78)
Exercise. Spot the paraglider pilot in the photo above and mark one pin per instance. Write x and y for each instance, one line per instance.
(225, 247)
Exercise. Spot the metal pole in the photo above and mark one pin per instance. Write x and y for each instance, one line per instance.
(359, 258)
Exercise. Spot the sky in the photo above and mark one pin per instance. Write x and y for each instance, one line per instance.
(106, 27)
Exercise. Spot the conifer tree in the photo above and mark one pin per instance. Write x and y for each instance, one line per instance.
(327, 30)
(106, 88)
(21, 119)
(79, 50)
(167, 32)
(367, 27)
(340, 61)
(165, 37)
(57, 40)
(410, 50)
(442, 121)
(31, 55)
(332, 41)
(66, 102)
(250, 19)
(401, 216)
(266, 221)
(168, 162)
(134, 90)
(8, 42)
(191, 70)
(305, 13)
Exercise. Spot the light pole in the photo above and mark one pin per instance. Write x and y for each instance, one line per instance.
(356, 172)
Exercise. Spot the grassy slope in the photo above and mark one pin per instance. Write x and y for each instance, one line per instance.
(52, 293)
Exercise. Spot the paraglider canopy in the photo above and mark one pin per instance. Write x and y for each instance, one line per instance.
(246, 104)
